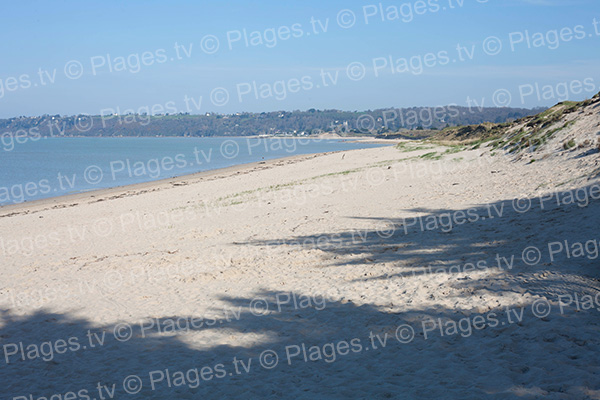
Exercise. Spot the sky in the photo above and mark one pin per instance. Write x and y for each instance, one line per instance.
(73, 57)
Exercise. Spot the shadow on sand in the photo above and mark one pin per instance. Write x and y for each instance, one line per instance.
(343, 350)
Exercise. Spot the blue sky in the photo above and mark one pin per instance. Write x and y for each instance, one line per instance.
(71, 57)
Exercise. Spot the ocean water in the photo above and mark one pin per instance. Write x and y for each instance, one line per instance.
(49, 167)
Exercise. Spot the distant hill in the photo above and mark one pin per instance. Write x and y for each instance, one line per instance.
(308, 122)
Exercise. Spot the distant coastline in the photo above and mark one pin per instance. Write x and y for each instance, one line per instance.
(279, 123)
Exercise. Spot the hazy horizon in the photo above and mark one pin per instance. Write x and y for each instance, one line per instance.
(272, 111)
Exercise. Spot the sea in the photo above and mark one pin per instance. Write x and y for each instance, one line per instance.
(37, 168)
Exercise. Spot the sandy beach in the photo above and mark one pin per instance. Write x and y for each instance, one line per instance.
(303, 200)
(412, 272)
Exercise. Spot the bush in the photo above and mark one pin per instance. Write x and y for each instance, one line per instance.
(569, 145)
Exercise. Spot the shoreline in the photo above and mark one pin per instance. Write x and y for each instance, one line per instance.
(102, 194)
(350, 238)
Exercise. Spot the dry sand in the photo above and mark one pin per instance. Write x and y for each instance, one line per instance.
(316, 273)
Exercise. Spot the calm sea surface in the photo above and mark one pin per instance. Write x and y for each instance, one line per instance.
(58, 166)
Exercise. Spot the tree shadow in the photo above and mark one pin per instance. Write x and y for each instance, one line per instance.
(292, 345)
(341, 350)
(493, 236)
